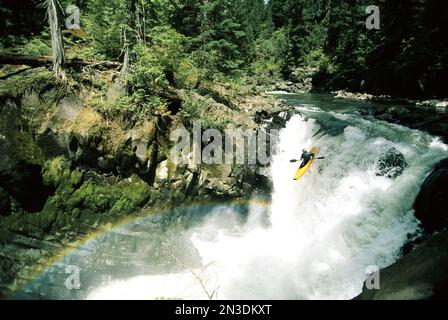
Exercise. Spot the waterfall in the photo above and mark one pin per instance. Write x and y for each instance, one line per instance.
(325, 230)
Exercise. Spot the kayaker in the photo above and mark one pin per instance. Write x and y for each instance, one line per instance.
(305, 157)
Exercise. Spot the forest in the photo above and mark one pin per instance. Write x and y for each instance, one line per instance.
(183, 43)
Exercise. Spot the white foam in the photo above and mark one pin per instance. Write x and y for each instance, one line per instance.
(326, 229)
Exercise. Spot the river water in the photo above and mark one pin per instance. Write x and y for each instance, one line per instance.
(317, 239)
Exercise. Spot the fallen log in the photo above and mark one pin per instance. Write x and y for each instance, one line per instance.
(34, 61)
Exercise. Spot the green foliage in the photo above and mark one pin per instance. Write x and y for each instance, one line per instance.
(137, 106)
(319, 60)
(198, 110)
(270, 52)
(149, 71)
(104, 26)
(191, 111)
(186, 75)
(180, 43)
(36, 47)
(163, 62)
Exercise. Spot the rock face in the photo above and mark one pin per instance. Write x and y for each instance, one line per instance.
(303, 78)
(69, 108)
(419, 275)
(20, 158)
(24, 182)
(391, 164)
(431, 204)
(353, 95)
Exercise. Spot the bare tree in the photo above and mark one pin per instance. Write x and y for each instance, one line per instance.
(129, 38)
(57, 45)
(200, 276)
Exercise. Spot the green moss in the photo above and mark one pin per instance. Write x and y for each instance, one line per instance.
(37, 81)
(33, 224)
(26, 148)
(38, 92)
(132, 196)
(76, 177)
(55, 170)
(95, 198)
(107, 200)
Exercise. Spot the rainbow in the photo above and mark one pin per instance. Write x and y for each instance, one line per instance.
(37, 274)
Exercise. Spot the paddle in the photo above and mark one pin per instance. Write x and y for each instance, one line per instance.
(295, 160)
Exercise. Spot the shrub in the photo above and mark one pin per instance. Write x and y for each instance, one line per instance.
(186, 75)
(193, 110)
(36, 47)
(163, 62)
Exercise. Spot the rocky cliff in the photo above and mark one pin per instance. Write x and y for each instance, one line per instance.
(74, 158)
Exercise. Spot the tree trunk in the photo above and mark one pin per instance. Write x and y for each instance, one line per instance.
(57, 45)
(129, 39)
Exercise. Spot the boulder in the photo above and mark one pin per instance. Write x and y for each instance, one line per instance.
(419, 275)
(69, 108)
(353, 95)
(142, 136)
(162, 172)
(431, 204)
(303, 78)
(391, 164)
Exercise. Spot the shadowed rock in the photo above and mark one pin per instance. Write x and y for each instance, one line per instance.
(420, 275)
(391, 164)
(431, 204)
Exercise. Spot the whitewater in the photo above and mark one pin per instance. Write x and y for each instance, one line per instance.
(325, 231)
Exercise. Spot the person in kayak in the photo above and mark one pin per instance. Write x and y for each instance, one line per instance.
(305, 157)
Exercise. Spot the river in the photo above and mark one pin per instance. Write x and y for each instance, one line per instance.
(316, 239)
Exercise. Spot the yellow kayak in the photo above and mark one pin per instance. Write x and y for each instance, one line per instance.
(301, 171)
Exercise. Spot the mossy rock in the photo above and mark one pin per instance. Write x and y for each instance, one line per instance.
(37, 90)
(89, 194)
(57, 172)
(33, 80)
